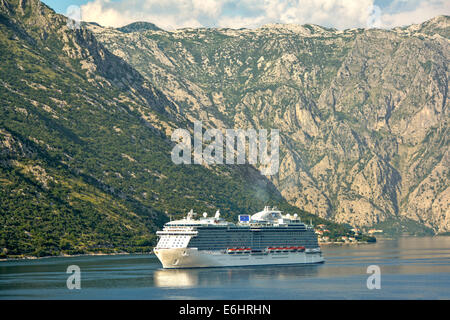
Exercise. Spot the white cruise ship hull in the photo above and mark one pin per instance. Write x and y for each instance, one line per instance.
(178, 258)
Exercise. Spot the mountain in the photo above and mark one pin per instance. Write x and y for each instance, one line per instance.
(85, 147)
(362, 113)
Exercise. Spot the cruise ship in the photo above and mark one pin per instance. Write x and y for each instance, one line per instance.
(264, 238)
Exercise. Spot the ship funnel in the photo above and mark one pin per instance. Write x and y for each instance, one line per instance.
(191, 214)
(217, 216)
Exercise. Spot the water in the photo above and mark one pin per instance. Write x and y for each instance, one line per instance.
(411, 268)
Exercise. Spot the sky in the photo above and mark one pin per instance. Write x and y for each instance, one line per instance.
(174, 14)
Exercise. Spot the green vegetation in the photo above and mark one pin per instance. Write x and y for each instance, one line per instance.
(403, 226)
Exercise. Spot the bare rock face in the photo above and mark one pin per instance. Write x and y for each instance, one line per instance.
(362, 113)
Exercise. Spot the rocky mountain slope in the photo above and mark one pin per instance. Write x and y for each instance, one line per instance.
(362, 113)
(85, 147)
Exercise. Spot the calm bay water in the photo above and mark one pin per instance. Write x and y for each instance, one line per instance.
(411, 268)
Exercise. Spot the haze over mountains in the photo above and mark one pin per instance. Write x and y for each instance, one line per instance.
(87, 114)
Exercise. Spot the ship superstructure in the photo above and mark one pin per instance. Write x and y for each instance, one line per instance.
(266, 237)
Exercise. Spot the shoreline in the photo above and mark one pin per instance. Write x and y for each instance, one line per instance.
(129, 253)
(151, 252)
(342, 243)
(76, 255)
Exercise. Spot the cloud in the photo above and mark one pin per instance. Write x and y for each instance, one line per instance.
(341, 14)
(423, 10)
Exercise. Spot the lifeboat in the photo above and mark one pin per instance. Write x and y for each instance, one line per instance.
(238, 250)
(314, 250)
(286, 249)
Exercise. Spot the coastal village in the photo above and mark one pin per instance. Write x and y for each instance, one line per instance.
(324, 235)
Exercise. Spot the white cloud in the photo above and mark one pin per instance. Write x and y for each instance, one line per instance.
(423, 11)
(341, 14)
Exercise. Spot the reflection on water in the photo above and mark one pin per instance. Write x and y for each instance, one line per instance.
(412, 268)
(226, 276)
(398, 256)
